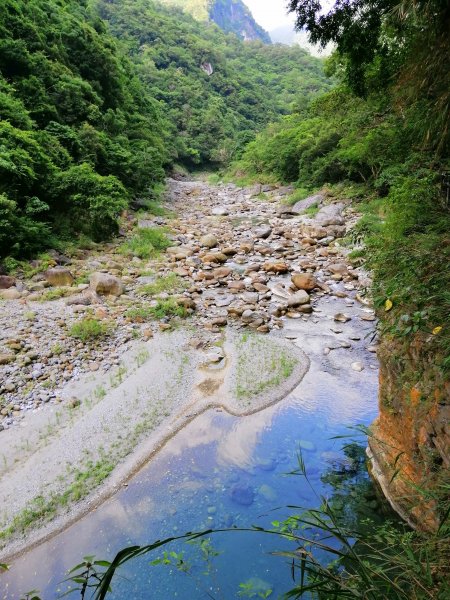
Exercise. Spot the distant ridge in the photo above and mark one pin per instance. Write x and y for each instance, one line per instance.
(232, 16)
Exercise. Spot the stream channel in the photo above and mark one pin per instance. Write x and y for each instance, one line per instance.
(221, 471)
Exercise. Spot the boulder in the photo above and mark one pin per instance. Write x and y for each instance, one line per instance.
(276, 267)
(302, 205)
(104, 283)
(209, 240)
(214, 257)
(58, 276)
(243, 495)
(263, 232)
(297, 299)
(304, 281)
(6, 281)
(220, 211)
(11, 293)
(330, 215)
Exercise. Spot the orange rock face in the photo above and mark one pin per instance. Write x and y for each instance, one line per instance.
(411, 437)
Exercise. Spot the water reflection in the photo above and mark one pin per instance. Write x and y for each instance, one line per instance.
(218, 472)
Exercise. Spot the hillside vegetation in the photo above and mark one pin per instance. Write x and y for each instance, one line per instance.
(84, 130)
(211, 116)
(79, 133)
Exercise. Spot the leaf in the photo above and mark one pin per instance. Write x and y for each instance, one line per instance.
(437, 330)
(388, 305)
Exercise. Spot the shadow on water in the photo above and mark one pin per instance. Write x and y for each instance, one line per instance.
(220, 472)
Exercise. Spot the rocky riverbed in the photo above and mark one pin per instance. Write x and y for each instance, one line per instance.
(241, 264)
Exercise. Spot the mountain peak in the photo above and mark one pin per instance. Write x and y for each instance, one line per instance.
(230, 15)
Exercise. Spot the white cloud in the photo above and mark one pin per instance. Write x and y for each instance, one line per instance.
(270, 13)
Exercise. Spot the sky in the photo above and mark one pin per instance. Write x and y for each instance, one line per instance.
(270, 13)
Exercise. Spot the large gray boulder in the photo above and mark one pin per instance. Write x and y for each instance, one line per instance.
(330, 215)
(302, 205)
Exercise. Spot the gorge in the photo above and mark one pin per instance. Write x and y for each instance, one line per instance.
(207, 244)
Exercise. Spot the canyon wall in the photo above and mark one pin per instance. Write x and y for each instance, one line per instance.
(410, 442)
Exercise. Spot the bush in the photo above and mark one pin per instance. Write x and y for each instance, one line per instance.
(89, 329)
(21, 233)
(147, 243)
(92, 202)
(168, 308)
(169, 283)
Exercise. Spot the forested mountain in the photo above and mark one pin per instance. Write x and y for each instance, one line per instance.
(83, 129)
(230, 15)
(216, 90)
(79, 133)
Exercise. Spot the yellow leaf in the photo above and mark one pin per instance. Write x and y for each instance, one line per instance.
(437, 330)
(388, 305)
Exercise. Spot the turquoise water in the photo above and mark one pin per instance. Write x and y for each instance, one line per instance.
(218, 472)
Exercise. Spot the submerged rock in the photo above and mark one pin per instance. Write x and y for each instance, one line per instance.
(243, 495)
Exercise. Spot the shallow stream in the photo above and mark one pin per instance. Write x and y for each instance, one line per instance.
(221, 471)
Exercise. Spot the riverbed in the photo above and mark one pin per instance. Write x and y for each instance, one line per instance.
(222, 471)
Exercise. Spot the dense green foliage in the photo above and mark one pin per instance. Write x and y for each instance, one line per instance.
(79, 134)
(211, 117)
(388, 139)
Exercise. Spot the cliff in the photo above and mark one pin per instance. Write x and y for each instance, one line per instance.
(232, 16)
(410, 442)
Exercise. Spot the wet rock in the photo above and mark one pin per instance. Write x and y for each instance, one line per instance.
(304, 281)
(267, 492)
(103, 283)
(307, 445)
(297, 299)
(341, 318)
(58, 276)
(358, 366)
(243, 495)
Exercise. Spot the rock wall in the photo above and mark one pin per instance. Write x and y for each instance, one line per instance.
(410, 446)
